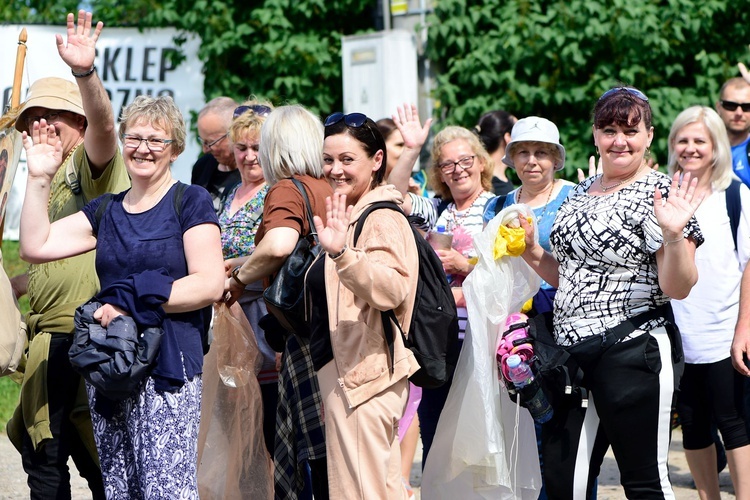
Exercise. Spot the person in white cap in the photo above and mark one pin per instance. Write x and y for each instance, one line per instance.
(52, 421)
(535, 152)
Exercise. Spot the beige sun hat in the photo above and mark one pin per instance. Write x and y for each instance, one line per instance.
(535, 129)
(51, 93)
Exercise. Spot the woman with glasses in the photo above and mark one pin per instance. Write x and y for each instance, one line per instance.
(291, 147)
(157, 256)
(364, 388)
(623, 244)
(461, 175)
(240, 216)
(711, 390)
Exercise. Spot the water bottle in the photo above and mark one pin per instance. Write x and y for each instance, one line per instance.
(440, 238)
(531, 394)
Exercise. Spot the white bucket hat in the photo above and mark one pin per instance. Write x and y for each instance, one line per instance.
(535, 129)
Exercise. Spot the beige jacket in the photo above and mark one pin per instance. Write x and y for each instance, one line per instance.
(378, 275)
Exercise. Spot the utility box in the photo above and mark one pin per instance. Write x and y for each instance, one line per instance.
(380, 72)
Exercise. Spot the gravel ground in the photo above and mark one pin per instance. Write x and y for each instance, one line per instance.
(13, 479)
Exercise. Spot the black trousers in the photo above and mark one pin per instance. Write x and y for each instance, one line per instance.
(631, 395)
(47, 468)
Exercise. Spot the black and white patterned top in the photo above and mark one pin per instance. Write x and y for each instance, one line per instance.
(606, 246)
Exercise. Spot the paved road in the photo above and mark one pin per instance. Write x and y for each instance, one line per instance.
(13, 479)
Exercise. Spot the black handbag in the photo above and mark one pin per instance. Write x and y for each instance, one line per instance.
(285, 298)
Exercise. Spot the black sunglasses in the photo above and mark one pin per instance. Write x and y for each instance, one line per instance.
(630, 90)
(259, 109)
(731, 105)
(355, 120)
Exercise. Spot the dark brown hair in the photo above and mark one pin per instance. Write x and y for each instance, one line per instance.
(622, 108)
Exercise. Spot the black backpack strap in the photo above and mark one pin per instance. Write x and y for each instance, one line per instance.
(302, 190)
(734, 208)
(442, 206)
(500, 203)
(375, 206)
(106, 198)
(628, 326)
(179, 192)
(386, 316)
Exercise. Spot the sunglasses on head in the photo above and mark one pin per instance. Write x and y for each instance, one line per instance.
(355, 120)
(630, 90)
(259, 109)
(731, 105)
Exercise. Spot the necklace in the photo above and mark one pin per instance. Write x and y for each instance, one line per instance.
(549, 197)
(618, 184)
(453, 210)
(156, 196)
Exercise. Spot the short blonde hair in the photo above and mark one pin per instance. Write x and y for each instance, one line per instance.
(291, 143)
(160, 111)
(450, 134)
(721, 172)
(249, 121)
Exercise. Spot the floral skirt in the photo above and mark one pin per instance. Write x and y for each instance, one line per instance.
(148, 448)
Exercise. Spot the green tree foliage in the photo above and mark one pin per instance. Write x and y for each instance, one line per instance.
(282, 50)
(553, 58)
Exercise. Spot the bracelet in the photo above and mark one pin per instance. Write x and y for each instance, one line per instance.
(338, 254)
(235, 276)
(84, 74)
(666, 242)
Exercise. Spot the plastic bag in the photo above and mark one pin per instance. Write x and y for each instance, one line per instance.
(485, 445)
(232, 458)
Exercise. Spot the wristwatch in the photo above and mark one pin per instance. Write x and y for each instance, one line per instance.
(235, 276)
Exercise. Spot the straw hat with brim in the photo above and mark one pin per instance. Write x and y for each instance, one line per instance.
(51, 93)
(535, 129)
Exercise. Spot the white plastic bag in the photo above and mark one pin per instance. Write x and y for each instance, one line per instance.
(485, 445)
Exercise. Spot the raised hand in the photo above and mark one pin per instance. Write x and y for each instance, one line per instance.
(412, 131)
(744, 71)
(673, 213)
(332, 234)
(79, 50)
(594, 169)
(43, 150)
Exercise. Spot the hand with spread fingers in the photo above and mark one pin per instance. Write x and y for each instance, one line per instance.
(674, 212)
(332, 234)
(412, 131)
(79, 50)
(43, 150)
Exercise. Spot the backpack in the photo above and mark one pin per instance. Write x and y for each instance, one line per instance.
(433, 333)
(177, 201)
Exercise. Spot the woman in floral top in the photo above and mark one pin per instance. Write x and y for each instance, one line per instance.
(240, 216)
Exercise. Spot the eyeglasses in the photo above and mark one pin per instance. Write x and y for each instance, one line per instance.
(259, 109)
(630, 90)
(209, 145)
(731, 105)
(52, 116)
(449, 167)
(155, 145)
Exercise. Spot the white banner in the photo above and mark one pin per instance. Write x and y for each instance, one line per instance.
(129, 63)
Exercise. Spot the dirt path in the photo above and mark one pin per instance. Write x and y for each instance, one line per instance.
(13, 479)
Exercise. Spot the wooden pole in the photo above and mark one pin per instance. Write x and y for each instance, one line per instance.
(15, 98)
